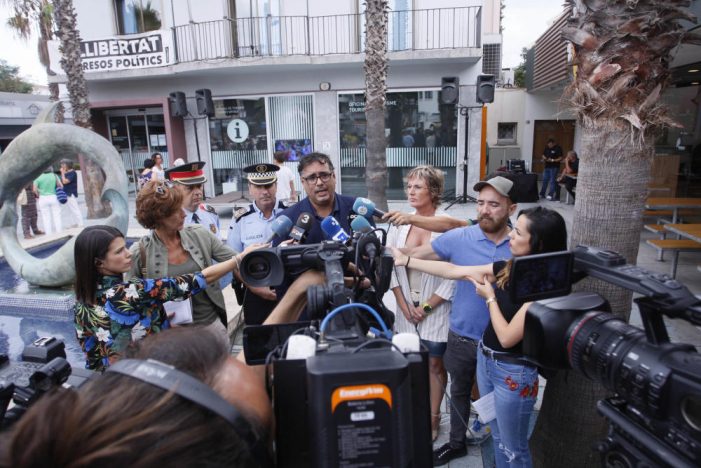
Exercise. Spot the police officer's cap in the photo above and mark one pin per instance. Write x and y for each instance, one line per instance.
(187, 174)
(261, 174)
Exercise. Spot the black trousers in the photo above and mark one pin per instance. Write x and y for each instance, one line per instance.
(460, 361)
(255, 308)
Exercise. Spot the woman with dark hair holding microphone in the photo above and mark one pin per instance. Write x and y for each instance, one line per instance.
(501, 366)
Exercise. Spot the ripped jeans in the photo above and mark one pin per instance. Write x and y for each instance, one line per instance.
(515, 389)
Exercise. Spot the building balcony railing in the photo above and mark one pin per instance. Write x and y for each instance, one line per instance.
(279, 36)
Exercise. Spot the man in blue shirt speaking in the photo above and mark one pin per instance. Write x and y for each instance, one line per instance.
(485, 242)
(319, 181)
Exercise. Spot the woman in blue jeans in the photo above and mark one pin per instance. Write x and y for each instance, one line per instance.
(501, 366)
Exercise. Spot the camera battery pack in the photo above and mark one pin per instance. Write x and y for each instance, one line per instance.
(361, 409)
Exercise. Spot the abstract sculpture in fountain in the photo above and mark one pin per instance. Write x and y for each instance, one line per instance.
(27, 157)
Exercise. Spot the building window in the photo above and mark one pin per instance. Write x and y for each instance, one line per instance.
(506, 133)
(136, 16)
(418, 130)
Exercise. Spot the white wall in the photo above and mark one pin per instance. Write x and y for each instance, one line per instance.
(543, 106)
(95, 18)
(509, 106)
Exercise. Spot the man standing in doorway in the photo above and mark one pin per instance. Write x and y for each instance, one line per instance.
(485, 242)
(552, 155)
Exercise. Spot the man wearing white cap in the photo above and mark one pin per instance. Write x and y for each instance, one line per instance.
(189, 178)
(253, 224)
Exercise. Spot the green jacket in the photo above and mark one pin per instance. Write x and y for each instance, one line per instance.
(203, 247)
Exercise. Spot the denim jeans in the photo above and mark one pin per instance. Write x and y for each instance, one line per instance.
(515, 389)
(460, 360)
(549, 179)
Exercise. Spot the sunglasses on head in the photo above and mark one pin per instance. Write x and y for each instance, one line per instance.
(163, 186)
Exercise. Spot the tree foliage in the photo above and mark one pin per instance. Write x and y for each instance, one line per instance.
(520, 70)
(622, 55)
(11, 82)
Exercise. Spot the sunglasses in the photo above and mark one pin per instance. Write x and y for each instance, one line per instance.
(163, 186)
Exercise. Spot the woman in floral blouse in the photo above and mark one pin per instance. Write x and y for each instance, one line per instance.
(110, 313)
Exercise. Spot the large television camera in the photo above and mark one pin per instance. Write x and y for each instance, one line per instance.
(343, 393)
(43, 368)
(655, 415)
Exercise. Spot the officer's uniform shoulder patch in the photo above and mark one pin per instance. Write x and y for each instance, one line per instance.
(241, 212)
(207, 207)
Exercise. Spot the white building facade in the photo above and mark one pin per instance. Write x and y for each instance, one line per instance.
(285, 76)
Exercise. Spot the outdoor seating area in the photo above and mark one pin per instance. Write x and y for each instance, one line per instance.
(674, 236)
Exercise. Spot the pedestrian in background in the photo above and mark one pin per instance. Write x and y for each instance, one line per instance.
(49, 207)
(69, 179)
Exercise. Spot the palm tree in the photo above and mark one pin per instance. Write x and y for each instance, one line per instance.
(375, 91)
(65, 19)
(36, 13)
(622, 54)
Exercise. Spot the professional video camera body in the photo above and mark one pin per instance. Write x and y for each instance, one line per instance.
(340, 397)
(655, 416)
(43, 367)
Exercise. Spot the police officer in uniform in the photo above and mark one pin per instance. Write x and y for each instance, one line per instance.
(189, 178)
(252, 224)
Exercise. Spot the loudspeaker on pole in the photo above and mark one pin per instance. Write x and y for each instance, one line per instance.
(178, 106)
(485, 88)
(450, 90)
(205, 105)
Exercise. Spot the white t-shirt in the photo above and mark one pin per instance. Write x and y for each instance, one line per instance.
(284, 176)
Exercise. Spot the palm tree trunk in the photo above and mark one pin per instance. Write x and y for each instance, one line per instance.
(375, 92)
(611, 192)
(71, 63)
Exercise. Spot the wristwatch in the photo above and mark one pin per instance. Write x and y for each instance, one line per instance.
(427, 307)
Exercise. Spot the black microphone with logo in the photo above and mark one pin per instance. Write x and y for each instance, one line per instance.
(302, 227)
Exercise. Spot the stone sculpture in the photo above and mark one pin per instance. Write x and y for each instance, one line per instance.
(43, 144)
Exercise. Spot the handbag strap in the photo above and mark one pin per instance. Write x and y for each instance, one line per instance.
(142, 259)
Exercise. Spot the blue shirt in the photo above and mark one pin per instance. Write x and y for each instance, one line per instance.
(469, 246)
(251, 226)
(71, 188)
(206, 216)
(342, 211)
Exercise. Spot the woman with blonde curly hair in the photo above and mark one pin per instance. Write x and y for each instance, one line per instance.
(423, 300)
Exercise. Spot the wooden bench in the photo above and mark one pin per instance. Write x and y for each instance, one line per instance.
(659, 214)
(676, 246)
(661, 231)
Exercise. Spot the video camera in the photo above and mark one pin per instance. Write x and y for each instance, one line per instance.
(43, 368)
(342, 394)
(655, 416)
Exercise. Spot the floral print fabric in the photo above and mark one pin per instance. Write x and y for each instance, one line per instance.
(126, 312)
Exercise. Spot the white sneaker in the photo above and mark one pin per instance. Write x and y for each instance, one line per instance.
(549, 197)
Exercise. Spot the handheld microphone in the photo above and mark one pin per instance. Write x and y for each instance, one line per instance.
(334, 230)
(281, 226)
(361, 225)
(366, 207)
(302, 227)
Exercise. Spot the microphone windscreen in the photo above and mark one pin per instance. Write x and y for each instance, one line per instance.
(360, 224)
(364, 207)
(281, 226)
(305, 221)
(334, 230)
(302, 227)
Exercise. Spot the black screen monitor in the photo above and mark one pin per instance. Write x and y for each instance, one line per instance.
(541, 276)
